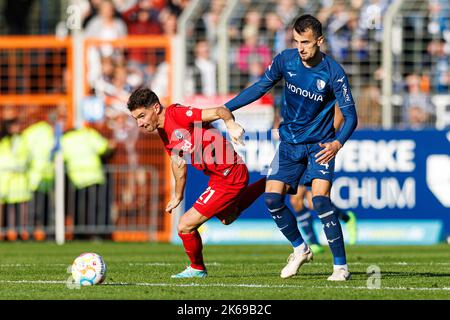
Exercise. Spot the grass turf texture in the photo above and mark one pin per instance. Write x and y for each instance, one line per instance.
(142, 271)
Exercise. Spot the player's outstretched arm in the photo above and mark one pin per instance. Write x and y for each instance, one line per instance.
(179, 171)
(271, 76)
(234, 129)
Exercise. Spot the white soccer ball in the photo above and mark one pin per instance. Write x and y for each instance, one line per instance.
(88, 269)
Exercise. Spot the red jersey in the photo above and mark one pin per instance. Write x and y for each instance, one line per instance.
(185, 134)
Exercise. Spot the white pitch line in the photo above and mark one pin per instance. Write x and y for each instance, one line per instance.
(227, 285)
(165, 264)
(33, 281)
(20, 265)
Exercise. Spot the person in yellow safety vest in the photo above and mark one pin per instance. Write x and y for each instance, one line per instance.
(14, 189)
(2, 182)
(83, 149)
(42, 142)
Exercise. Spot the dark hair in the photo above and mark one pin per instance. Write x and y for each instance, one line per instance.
(6, 127)
(306, 22)
(142, 97)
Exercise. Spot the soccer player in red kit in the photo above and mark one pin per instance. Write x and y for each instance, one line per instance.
(188, 137)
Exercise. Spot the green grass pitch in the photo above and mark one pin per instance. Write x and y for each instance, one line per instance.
(142, 271)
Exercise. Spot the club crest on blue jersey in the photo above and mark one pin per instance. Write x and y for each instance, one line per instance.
(320, 84)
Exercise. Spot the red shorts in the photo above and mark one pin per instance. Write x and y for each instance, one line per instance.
(222, 195)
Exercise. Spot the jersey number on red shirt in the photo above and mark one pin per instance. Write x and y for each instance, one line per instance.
(205, 196)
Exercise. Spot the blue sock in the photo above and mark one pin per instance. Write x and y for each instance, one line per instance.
(283, 217)
(305, 220)
(341, 213)
(332, 228)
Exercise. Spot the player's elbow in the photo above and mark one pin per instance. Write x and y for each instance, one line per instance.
(353, 121)
(350, 116)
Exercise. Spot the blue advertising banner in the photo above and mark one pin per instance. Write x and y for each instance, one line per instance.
(397, 183)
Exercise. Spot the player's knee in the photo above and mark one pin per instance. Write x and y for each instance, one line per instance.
(321, 203)
(274, 201)
(297, 203)
(185, 228)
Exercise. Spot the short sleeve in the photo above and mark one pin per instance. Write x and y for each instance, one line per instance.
(185, 116)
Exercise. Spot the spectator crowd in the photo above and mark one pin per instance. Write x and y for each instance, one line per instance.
(258, 30)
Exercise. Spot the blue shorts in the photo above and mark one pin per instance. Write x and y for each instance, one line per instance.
(296, 164)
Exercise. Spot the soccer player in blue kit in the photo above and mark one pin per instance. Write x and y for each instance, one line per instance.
(313, 84)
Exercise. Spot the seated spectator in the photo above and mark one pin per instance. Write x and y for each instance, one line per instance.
(369, 107)
(338, 32)
(105, 25)
(418, 118)
(252, 51)
(124, 5)
(253, 18)
(417, 107)
(89, 10)
(168, 19)
(107, 69)
(440, 65)
(105, 74)
(277, 33)
(439, 17)
(142, 19)
(287, 10)
(203, 73)
(255, 71)
(207, 27)
(160, 81)
(370, 18)
(119, 90)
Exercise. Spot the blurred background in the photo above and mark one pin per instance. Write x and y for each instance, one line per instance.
(73, 164)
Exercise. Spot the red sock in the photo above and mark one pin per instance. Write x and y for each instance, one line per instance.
(193, 246)
(252, 193)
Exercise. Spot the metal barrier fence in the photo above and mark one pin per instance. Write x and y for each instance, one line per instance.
(36, 71)
(124, 208)
(138, 61)
(43, 79)
(416, 64)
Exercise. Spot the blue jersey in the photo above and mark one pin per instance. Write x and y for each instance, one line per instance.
(309, 97)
